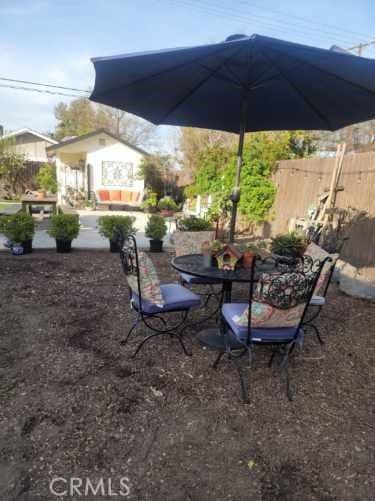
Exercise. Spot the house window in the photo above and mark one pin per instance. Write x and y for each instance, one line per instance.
(117, 173)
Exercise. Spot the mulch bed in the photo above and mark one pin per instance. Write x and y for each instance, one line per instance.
(73, 403)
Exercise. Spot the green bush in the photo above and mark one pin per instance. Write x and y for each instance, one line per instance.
(167, 203)
(291, 244)
(156, 227)
(116, 228)
(151, 203)
(46, 178)
(64, 226)
(18, 227)
(194, 223)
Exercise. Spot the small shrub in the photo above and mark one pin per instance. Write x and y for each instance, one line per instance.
(291, 244)
(64, 226)
(167, 203)
(194, 223)
(156, 227)
(151, 203)
(46, 178)
(116, 228)
(18, 227)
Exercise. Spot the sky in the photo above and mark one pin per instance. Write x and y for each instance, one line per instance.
(52, 41)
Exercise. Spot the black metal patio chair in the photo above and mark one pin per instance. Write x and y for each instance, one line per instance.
(273, 316)
(152, 300)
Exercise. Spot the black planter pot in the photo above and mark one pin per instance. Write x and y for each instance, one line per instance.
(27, 246)
(63, 245)
(114, 246)
(156, 245)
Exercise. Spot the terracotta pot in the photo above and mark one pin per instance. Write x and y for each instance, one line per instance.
(247, 259)
(40, 194)
(166, 212)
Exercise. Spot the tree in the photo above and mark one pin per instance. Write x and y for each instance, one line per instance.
(158, 174)
(216, 167)
(46, 178)
(82, 116)
(12, 167)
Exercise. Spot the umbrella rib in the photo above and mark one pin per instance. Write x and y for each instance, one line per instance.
(197, 86)
(305, 99)
(321, 70)
(237, 83)
(154, 75)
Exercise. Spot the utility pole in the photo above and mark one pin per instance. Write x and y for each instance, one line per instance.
(361, 46)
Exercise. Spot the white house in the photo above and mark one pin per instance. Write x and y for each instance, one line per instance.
(31, 144)
(100, 163)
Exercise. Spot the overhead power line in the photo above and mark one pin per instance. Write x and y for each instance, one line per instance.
(44, 85)
(41, 91)
(286, 27)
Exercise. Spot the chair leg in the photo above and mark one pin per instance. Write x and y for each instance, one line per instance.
(284, 364)
(124, 341)
(244, 393)
(217, 361)
(272, 357)
(316, 330)
(140, 346)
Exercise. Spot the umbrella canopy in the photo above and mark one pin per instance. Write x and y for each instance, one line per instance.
(242, 84)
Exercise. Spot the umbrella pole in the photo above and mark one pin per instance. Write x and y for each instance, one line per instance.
(236, 193)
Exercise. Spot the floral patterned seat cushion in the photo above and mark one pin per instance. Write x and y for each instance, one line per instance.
(265, 315)
(149, 281)
(317, 253)
(190, 242)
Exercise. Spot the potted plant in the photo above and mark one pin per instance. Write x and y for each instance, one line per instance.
(116, 229)
(167, 206)
(19, 229)
(193, 223)
(290, 245)
(64, 228)
(150, 204)
(46, 179)
(249, 250)
(156, 229)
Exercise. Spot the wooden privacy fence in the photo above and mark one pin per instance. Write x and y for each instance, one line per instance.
(299, 184)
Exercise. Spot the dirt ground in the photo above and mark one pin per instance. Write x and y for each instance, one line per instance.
(73, 403)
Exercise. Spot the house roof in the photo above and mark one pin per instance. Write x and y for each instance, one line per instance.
(26, 130)
(77, 139)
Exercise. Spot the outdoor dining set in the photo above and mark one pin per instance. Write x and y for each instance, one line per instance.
(283, 298)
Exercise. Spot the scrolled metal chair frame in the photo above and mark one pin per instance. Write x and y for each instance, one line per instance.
(303, 275)
(130, 265)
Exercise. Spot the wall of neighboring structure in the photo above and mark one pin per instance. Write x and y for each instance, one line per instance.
(114, 151)
(94, 151)
(33, 147)
(299, 184)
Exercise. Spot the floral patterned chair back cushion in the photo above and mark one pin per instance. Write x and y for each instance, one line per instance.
(190, 242)
(317, 253)
(279, 301)
(149, 281)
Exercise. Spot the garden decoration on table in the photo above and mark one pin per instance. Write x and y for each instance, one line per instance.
(156, 229)
(116, 229)
(64, 228)
(150, 204)
(167, 206)
(292, 245)
(19, 229)
(227, 257)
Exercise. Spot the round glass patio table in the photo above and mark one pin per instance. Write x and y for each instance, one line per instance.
(195, 264)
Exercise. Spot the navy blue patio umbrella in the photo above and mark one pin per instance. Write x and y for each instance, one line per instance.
(243, 84)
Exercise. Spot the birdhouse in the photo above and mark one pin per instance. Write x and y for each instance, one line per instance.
(228, 257)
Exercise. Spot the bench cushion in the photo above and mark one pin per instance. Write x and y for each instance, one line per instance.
(104, 195)
(115, 195)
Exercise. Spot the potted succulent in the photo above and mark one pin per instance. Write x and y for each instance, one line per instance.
(167, 206)
(156, 229)
(64, 228)
(116, 229)
(249, 250)
(291, 245)
(19, 229)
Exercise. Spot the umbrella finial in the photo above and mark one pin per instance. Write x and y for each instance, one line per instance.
(235, 37)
